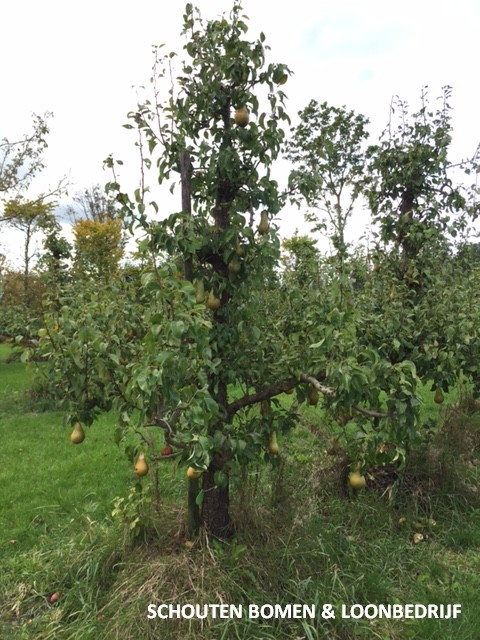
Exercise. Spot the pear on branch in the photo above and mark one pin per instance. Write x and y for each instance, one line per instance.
(213, 302)
(273, 447)
(141, 466)
(234, 266)
(264, 225)
(78, 434)
(241, 117)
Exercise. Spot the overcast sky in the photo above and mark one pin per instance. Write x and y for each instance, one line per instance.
(82, 61)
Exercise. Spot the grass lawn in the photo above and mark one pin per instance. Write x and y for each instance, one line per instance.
(299, 538)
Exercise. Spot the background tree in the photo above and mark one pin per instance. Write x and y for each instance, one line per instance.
(54, 265)
(98, 237)
(22, 159)
(29, 217)
(301, 263)
(93, 204)
(420, 206)
(414, 194)
(98, 247)
(17, 319)
(326, 150)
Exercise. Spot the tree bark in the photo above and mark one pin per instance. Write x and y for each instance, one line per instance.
(216, 506)
(186, 171)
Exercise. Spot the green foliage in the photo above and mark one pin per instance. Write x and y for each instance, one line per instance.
(93, 204)
(298, 539)
(98, 247)
(53, 265)
(134, 511)
(22, 159)
(28, 216)
(20, 315)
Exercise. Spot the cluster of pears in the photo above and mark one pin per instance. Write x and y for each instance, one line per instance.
(211, 301)
(235, 264)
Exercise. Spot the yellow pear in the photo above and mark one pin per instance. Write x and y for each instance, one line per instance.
(78, 434)
(273, 447)
(212, 301)
(141, 466)
(264, 225)
(242, 117)
(356, 480)
(192, 473)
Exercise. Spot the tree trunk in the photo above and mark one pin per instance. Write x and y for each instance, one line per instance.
(186, 171)
(26, 266)
(216, 506)
(193, 512)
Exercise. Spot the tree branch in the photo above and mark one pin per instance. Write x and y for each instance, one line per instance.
(273, 390)
(169, 427)
(284, 386)
(369, 413)
(186, 170)
(327, 391)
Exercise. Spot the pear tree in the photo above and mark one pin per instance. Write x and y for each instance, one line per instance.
(219, 130)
